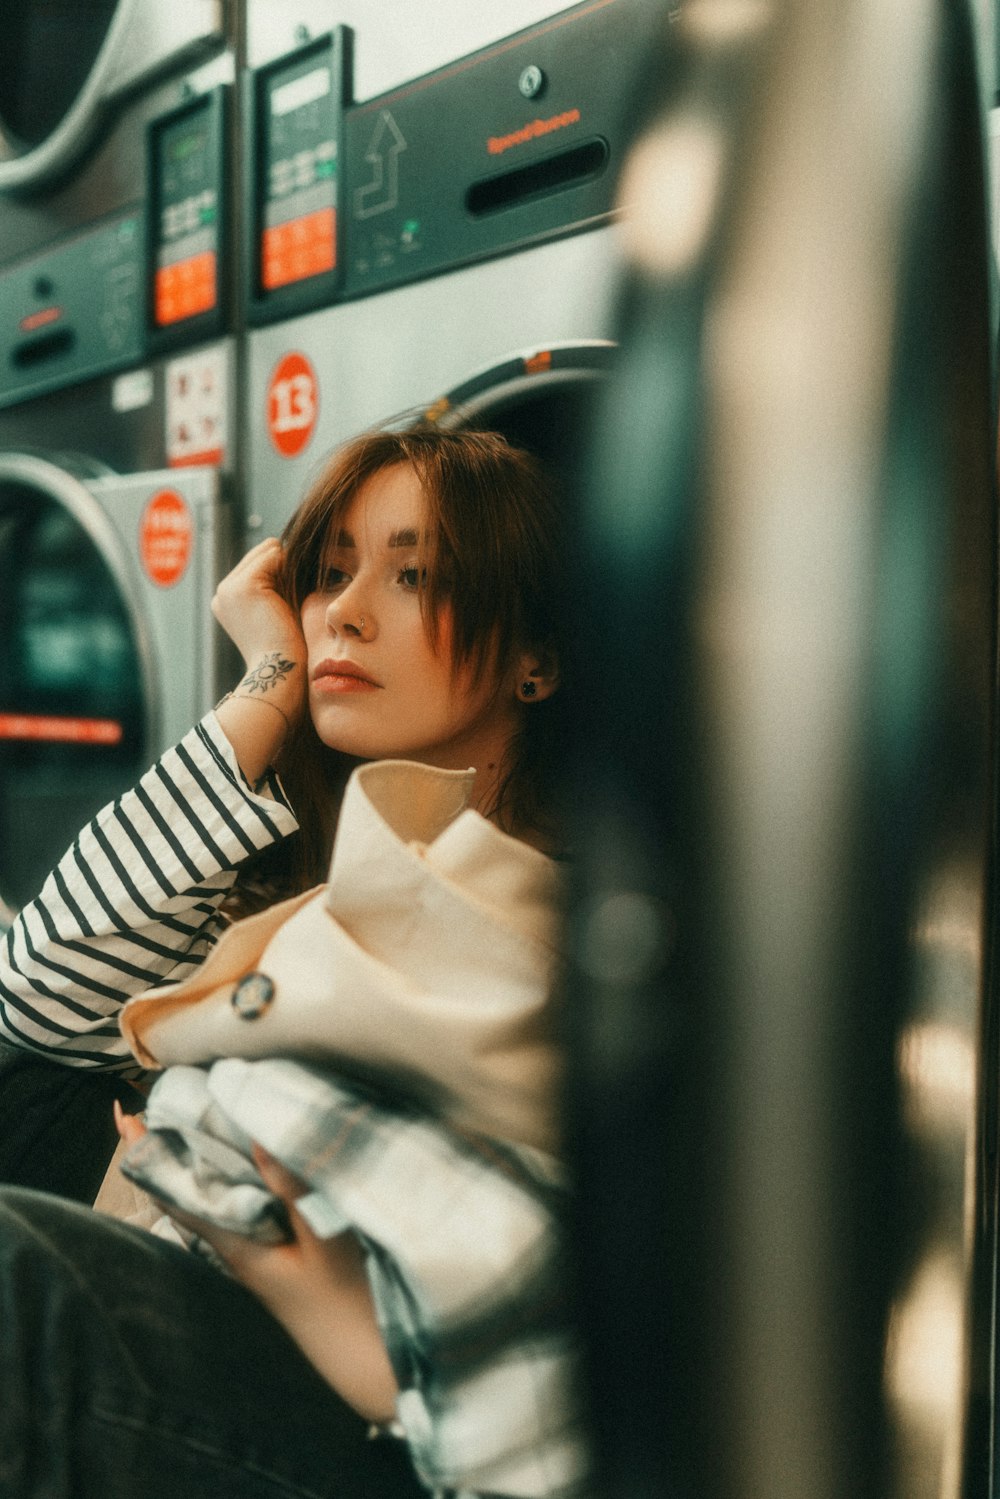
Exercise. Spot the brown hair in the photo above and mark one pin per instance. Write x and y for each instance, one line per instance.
(491, 551)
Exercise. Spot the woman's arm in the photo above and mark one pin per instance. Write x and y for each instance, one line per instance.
(135, 901)
(258, 714)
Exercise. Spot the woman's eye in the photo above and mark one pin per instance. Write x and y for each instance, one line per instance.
(331, 579)
(413, 577)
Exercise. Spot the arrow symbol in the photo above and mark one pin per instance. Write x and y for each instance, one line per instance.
(382, 191)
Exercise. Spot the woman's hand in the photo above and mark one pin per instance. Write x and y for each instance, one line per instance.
(316, 1288)
(258, 715)
(254, 615)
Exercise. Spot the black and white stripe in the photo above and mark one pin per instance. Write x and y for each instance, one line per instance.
(135, 901)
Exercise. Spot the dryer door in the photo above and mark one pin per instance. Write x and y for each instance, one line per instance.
(61, 66)
(539, 399)
(104, 645)
(73, 694)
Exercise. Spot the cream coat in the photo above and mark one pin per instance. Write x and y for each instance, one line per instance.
(427, 960)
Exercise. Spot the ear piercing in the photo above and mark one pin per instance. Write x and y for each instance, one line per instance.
(528, 688)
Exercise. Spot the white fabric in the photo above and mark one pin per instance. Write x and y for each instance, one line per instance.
(427, 960)
(463, 1251)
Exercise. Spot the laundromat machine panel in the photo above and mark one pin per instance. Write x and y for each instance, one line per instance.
(476, 235)
(187, 229)
(501, 148)
(140, 281)
(68, 71)
(118, 391)
(73, 311)
(510, 145)
(294, 125)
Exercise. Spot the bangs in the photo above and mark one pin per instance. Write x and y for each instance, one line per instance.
(484, 552)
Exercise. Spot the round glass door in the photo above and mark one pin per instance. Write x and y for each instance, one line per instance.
(542, 402)
(72, 700)
(49, 49)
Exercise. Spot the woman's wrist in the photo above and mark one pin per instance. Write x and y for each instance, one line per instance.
(273, 681)
(276, 678)
(246, 697)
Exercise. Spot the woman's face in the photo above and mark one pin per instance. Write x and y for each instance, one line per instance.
(378, 688)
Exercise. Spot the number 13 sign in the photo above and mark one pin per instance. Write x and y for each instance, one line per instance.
(292, 404)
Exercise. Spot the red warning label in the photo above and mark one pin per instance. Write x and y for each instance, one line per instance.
(292, 404)
(166, 537)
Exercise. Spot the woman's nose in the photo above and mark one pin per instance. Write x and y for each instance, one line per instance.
(345, 615)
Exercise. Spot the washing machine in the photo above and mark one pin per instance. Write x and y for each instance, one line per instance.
(470, 248)
(117, 399)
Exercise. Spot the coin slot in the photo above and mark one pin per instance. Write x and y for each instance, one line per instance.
(554, 174)
(39, 350)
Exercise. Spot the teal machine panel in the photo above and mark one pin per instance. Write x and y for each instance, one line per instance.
(73, 311)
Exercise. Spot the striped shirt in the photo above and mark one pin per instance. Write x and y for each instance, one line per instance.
(135, 901)
(463, 1234)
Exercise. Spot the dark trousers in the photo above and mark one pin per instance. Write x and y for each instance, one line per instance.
(57, 1132)
(130, 1367)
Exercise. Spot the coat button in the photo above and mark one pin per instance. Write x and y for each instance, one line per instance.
(252, 996)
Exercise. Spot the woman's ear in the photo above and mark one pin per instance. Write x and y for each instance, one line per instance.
(537, 675)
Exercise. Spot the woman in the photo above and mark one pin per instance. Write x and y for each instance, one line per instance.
(407, 616)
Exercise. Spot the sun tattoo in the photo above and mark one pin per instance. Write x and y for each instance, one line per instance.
(268, 673)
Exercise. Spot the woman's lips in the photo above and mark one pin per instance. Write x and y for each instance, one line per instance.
(342, 676)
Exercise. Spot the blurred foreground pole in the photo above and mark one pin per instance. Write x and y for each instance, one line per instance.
(784, 679)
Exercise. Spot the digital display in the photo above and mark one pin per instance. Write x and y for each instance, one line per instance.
(188, 143)
(298, 92)
(298, 235)
(186, 226)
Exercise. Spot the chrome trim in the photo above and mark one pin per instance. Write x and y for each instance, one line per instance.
(487, 394)
(65, 482)
(128, 55)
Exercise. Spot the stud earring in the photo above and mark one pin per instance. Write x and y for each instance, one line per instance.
(528, 688)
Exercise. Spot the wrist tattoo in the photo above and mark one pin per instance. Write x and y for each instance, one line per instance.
(268, 673)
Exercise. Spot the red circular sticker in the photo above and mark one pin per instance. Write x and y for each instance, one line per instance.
(292, 404)
(166, 534)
